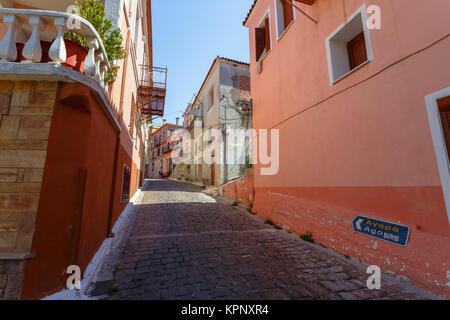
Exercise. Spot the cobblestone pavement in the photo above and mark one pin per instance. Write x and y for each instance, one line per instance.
(186, 245)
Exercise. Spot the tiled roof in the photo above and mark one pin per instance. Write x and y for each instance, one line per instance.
(235, 61)
(249, 13)
(210, 70)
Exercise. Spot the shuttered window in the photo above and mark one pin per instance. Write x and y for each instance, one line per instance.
(288, 13)
(444, 110)
(262, 39)
(357, 53)
(267, 34)
(126, 179)
(260, 36)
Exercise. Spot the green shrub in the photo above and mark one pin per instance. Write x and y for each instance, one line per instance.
(94, 12)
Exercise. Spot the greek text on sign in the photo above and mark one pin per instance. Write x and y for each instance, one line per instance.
(383, 230)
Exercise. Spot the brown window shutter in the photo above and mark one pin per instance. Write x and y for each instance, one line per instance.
(357, 53)
(444, 110)
(288, 13)
(260, 40)
(267, 34)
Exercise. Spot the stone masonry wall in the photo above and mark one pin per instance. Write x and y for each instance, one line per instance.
(26, 108)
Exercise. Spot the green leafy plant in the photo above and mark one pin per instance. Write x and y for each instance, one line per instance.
(269, 222)
(94, 12)
(235, 204)
(248, 162)
(308, 236)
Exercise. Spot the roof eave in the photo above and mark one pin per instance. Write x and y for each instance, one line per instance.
(251, 13)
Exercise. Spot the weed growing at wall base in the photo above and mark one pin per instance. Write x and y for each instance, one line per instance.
(308, 236)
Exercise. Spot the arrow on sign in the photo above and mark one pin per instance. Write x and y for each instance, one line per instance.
(358, 224)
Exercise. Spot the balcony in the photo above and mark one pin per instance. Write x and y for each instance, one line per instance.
(167, 148)
(37, 36)
(152, 91)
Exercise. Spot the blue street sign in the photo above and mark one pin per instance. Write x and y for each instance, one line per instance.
(383, 230)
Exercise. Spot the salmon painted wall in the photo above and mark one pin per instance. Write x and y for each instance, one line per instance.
(240, 190)
(124, 89)
(73, 211)
(362, 145)
(123, 159)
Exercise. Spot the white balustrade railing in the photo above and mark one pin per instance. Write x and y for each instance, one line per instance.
(34, 26)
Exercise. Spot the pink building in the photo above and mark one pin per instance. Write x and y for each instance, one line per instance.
(363, 115)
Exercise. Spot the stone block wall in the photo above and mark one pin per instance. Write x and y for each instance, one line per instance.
(26, 109)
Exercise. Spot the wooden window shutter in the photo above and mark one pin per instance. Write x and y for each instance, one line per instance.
(267, 34)
(260, 39)
(444, 110)
(288, 13)
(357, 53)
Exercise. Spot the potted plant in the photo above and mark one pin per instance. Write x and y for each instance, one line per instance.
(76, 45)
(94, 12)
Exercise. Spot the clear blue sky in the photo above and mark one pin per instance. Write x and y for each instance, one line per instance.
(187, 37)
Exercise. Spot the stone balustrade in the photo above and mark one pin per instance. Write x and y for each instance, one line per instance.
(30, 27)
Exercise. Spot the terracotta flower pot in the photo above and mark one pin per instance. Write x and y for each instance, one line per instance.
(76, 54)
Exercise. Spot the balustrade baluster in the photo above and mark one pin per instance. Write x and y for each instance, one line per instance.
(8, 49)
(58, 51)
(33, 50)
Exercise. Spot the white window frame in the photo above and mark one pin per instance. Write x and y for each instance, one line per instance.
(363, 11)
(266, 14)
(437, 133)
(279, 36)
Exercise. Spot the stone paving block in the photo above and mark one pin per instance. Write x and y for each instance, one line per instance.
(184, 245)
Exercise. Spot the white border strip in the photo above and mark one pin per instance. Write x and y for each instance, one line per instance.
(266, 15)
(363, 11)
(276, 20)
(440, 148)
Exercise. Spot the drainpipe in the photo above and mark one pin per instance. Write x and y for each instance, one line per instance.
(109, 232)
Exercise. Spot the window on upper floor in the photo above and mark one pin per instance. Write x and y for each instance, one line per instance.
(262, 37)
(211, 97)
(137, 29)
(132, 117)
(349, 47)
(284, 14)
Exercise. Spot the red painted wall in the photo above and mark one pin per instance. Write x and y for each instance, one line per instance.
(240, 190)
(73, 212)
(363, 145)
